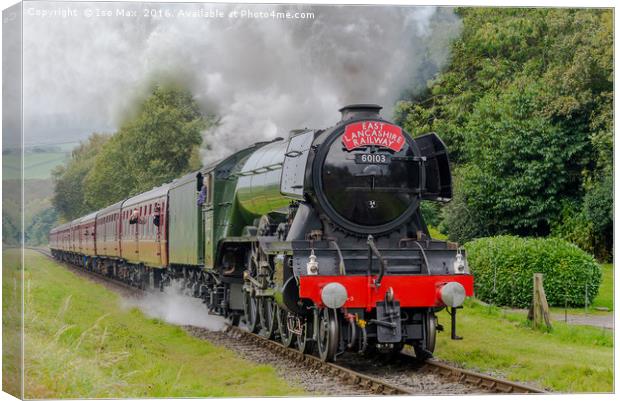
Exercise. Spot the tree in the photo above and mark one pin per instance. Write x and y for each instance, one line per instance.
(157, 145)
(37, 231)
(68, 198)
(149, 150)
(526, 103)
(522, 164)
(459, 220)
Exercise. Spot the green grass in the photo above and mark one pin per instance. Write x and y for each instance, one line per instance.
(605, 297)
(80, 344)
(436, 234)
(567, 359)
(11, 321)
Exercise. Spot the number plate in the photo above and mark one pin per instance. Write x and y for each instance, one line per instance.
(372, 158)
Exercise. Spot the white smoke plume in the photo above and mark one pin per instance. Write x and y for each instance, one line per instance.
(261, 76)
(175, 307)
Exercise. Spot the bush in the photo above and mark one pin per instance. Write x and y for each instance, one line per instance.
(430, 211)
(503, 268)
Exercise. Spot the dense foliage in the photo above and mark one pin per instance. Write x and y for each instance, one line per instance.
(160, 143)
(525, 108)
(37, 231)
(69, 195)
(504, 268)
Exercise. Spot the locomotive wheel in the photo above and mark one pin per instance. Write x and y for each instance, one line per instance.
(250, 312)
(431, 332)
(328, 335)
(304, 344)
(286, 337)
(267, 314)
(233, 318)
(431, 336)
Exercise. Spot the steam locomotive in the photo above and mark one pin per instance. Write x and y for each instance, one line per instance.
(316, 240)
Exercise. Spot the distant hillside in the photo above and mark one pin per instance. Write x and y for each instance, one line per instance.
(39, 161)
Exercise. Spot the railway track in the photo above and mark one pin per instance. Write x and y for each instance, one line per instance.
(359, 372)
(371, 384)
(381, 386)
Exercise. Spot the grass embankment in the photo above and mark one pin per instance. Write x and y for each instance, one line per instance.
(80, 343)
(567, 359)
(11, 321)
(605, 298)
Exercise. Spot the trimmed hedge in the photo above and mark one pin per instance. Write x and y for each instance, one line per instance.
(503, 268)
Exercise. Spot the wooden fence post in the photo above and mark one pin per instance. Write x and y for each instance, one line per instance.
(539, 311)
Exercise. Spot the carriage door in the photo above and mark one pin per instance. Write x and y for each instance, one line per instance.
(136, 233)
(209, 224)
(155, 222)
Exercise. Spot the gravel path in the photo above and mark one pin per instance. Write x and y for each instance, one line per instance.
(602, 320)
(605, 321)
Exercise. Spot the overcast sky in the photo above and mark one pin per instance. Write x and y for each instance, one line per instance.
(87, 64)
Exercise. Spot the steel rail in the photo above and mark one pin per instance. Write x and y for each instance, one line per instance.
(479, 379)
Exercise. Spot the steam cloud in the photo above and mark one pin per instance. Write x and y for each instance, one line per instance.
(262, 77)
(173, 306)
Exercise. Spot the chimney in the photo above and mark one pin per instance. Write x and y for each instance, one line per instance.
(360, 111)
